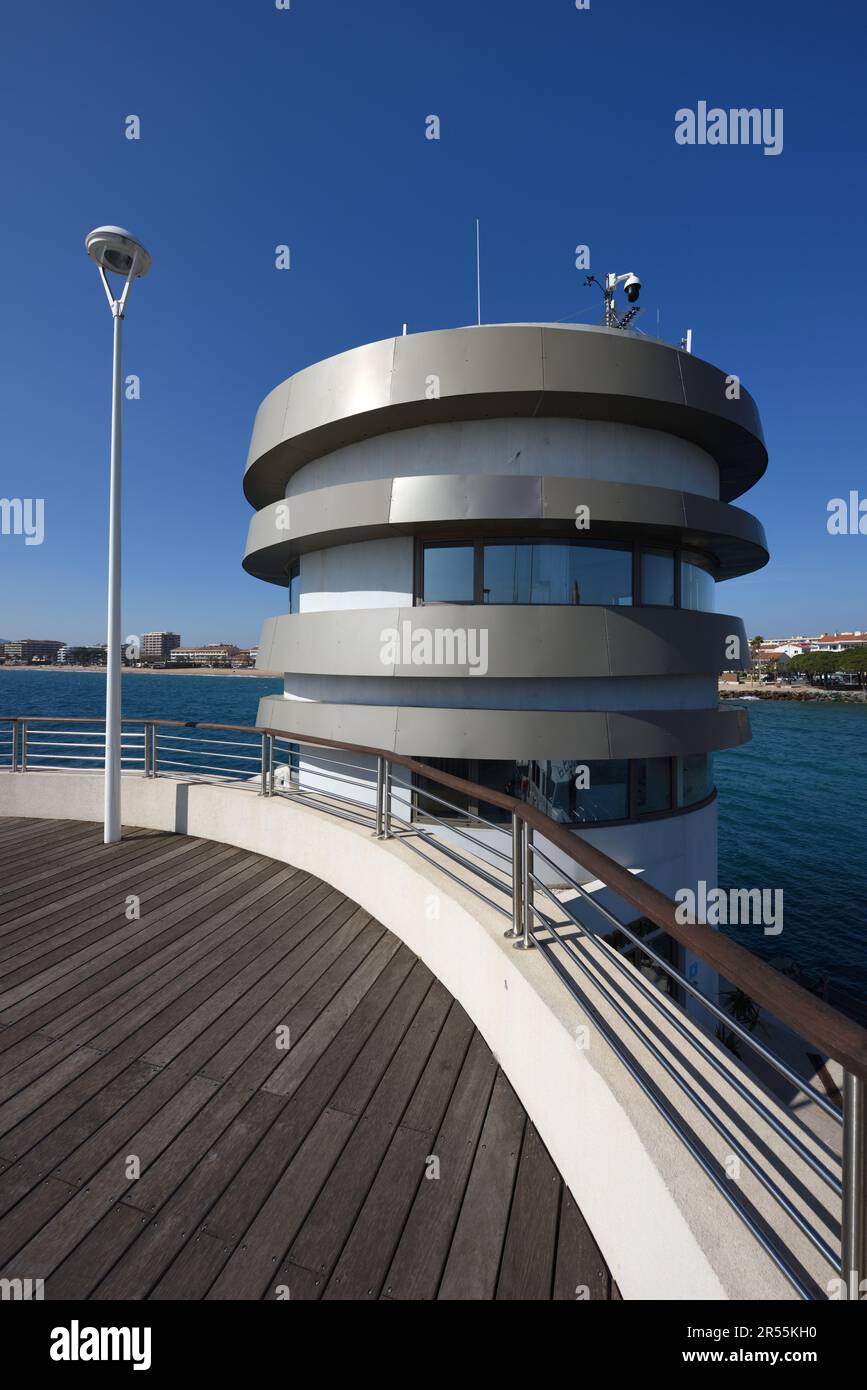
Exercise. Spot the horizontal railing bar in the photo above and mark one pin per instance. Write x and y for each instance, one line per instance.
(464, 835)
(409, 841)
(366, 821)
(729, 1075)
(313, 794)
(713, 1120)
(45, 734)
(235, 774)
(504, 827)
(722, 1184)
(367, 768)
(247, 757)
(33, 743)
(78, 758)
(213, 742)
(781, 1067)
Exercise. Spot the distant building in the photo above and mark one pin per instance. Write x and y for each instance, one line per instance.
(215, 654)
(158, 646)
(29, 649)
(838, 641)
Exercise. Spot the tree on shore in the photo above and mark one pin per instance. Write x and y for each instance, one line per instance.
(819, 667)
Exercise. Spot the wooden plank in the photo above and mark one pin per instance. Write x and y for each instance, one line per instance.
(473, 1263)
(213, 932)
(527, 1269)
(53, 1241)
(348, 950)
(421, 1254)
(165, 1083)
(162, 1242)
(433, 1092)
(204, 1257)
(330, 1221)
(580, 1271)
(87, 963)
(96, 942)
(39, 900)
(327, 1020)
(17, 1226)
(259, 978)
(359, 1271)
(77, 1275)
(157, 884)
(251, 1266)
(363, 1077)
(21, 1177)
(232, 1214)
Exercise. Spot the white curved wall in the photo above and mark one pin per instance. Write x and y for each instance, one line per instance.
(365, 574)
(598, 449)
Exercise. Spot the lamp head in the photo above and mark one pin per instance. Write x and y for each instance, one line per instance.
(114, 249)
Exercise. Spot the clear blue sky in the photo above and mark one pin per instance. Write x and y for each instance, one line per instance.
(306, 127)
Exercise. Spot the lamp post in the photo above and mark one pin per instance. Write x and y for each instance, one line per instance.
(117, 253)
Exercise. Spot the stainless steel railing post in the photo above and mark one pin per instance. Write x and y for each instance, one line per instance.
(854, 1214)
(380, 787)
(154, 749)
(516, 928)
(526, 942)
(264, 762)
(386, 800)
(146, 742)
(14, 745)
(271, 752)
(23, 745)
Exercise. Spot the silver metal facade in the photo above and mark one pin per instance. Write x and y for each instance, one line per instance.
(372, 401)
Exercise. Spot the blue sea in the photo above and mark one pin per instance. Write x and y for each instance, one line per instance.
(791, 802)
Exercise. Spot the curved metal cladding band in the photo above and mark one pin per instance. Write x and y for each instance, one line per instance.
(501, 545)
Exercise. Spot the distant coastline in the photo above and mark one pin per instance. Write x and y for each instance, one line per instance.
(153, 671)
(753, 690)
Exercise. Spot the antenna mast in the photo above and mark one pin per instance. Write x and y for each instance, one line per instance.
(478, 278)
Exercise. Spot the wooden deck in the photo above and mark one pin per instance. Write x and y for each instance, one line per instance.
(152, 1044)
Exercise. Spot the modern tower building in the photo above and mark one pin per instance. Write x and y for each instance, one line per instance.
(502, 547)
(158, 646)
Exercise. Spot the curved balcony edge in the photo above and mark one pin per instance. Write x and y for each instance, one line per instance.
(470, 504)
(462, 641)
(503, 370)
(511, 734)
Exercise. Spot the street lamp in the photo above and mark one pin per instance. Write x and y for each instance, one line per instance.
(117, 253)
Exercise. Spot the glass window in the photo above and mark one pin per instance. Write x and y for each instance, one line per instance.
(507, 573)
(448, 574)
(657, 577)
(295, 587)
(697, 587)
(695, 778)
(652, 785)
(501, 777)
(606, 797)
(459, 805)
(553, 573)
(602, 575)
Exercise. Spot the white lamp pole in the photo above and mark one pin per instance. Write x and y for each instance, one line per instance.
(115, 251)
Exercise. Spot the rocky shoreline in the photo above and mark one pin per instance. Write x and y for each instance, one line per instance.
(798, 693)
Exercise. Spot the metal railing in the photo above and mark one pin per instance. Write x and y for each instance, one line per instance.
(523, 864)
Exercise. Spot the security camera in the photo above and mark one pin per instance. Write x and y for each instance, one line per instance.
(632, 288)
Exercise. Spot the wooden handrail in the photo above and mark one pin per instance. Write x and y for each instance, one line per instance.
(811, 1018)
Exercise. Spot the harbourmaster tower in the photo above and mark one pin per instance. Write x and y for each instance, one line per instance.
(501, 546)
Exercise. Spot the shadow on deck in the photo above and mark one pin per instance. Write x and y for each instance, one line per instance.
(155, 1044)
